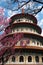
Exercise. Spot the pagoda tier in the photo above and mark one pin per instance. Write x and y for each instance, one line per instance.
(23, 41)
(37, 39)
(23, 23)
(23, 27)
(24, 16)
(29, 45)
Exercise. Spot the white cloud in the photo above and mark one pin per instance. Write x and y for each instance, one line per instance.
(37, 16)
(42, 33)
(2, 11)
(4, 0)
(31, 4)
(42, 11)
(39, 6)
(11, 13)
(40, 23)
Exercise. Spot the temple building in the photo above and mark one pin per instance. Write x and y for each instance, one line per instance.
(23, 41)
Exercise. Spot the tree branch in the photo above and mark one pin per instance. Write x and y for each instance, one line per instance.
(19, 6)
(38, 1)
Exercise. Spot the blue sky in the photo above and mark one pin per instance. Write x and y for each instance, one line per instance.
(8, 13)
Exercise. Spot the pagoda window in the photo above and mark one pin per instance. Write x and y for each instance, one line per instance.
(34, 41)
(12, 30)
(27, 28)
(6, 44)
(17, 29)
(29, 21)
(42, 59)
(21, 59)
(19, 20)
(34, 30)
(37, 43)
(13, 58)
(5, 59)
(21, 29)
(37, 59)
(40, 44)
(26, 20)
(15, 21)
(31, 29)
(29, 59)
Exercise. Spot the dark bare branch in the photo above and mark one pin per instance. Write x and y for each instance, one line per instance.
(24, 4)
(21, 3)
(19, 6)
(38, 1)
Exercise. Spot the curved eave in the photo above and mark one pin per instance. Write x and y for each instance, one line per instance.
(28, 35)
(28, 47)
(25, 24)
(26, 15)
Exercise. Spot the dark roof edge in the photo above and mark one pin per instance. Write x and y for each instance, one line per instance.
(31, 35)
(24, 14)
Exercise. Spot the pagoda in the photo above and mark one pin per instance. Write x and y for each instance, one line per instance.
(23, 43)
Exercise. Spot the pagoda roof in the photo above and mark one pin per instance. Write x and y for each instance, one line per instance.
(27, 35)
(28, 47)
(22, 15)
(25, 24)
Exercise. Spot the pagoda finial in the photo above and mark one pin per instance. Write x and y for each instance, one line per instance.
(22, 10)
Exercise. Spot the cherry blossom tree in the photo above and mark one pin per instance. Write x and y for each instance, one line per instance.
(4, 22)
